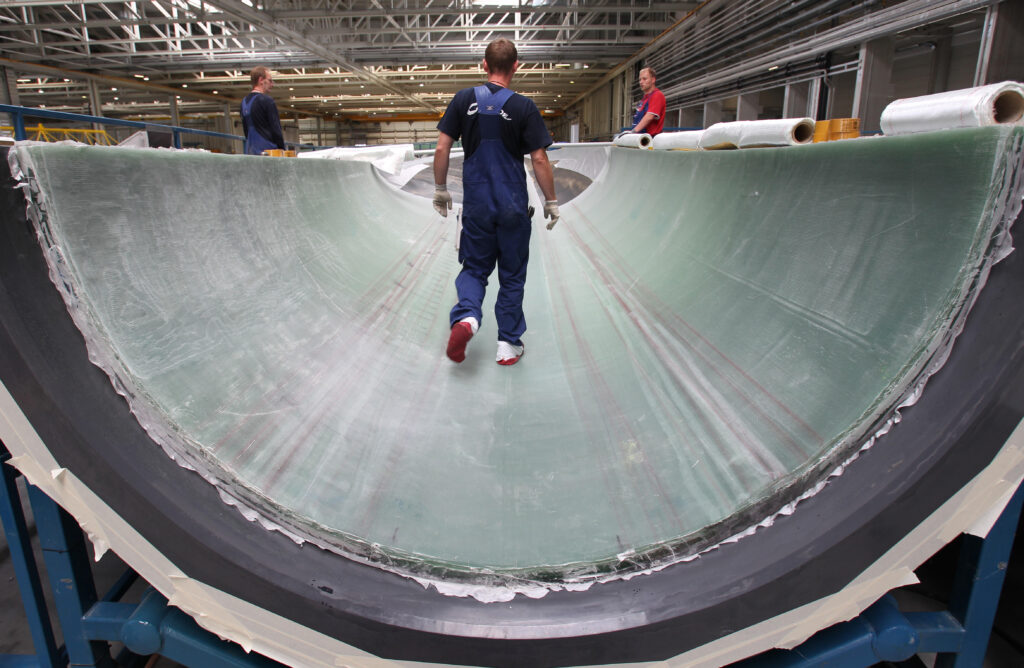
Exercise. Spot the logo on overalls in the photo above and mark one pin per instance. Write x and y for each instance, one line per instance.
(472, 109)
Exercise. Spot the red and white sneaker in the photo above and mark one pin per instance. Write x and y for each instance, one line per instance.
(462, 332)
(509, 354)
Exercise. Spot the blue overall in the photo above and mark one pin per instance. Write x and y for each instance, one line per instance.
(255, 143)
(495, 224)
(641, 111)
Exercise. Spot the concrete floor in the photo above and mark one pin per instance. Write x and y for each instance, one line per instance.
(1006, 647)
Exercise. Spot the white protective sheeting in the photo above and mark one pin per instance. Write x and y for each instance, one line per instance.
(389, 159)
(753, 134)
(138, 139)
(687, 140)
(995, 104)
(633, 140)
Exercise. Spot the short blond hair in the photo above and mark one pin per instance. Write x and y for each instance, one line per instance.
(258, 73)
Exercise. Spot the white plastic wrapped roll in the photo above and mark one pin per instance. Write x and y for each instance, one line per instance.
(687, 140)
(752, 134)
(633, 140)
(388, 159)
(995, 104)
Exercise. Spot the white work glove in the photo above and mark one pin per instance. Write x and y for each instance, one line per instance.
(551, 211)
(442, 200)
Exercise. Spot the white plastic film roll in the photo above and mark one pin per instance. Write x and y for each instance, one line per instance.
(995, 104)
(633, 140)
(687, 140)
(752, 134)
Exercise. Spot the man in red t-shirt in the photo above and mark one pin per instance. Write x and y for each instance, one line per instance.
(650, 113)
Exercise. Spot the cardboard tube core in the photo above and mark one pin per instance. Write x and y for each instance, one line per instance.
(1008, 107)
(803, 132)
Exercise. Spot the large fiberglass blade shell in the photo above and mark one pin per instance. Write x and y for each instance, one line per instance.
(710, 334)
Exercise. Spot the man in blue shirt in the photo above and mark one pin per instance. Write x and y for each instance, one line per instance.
(497, 127)
(260, 120)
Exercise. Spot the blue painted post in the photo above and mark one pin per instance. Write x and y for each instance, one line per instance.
(16, 532)
(979, 581)
(67, 563)
(19, 126)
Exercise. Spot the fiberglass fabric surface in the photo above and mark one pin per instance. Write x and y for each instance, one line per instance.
(709, 334)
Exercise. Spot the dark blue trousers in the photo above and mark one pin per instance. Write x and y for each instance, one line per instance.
(495, 225)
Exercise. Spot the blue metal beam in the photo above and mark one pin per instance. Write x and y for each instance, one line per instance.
(880, 633)
(19, 114)
(70, 573)
(979, 581)
(154, 627)
(26, 571)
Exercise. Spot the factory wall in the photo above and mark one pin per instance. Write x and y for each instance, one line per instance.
(853, 81)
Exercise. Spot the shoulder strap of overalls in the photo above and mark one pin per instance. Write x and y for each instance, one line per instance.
(645, 103)
(491, 103)
(247, 104)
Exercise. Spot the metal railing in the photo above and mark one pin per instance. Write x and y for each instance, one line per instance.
(18, 115)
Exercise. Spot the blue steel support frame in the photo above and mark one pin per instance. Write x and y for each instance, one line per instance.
(958, 636)
(16, 532)
(67, 564)
(90, 624)
(154, 627)
(979, 580)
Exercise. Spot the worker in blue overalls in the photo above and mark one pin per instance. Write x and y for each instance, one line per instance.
(497, 127)
(260, 120)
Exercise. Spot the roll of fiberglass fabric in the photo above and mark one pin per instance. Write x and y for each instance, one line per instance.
(688, 140)
(995, 104)
(752, 134)
(633, 140)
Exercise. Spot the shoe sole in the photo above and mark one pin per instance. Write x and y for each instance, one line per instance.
(512, 360)
(462, 332)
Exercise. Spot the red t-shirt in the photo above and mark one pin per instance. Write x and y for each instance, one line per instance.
(653, 102)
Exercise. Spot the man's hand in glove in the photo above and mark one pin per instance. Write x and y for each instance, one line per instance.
(443, 200)
(551, 211)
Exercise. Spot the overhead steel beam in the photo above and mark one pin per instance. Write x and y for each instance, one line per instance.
(658, 7)
(255, 17)
(123, 82)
